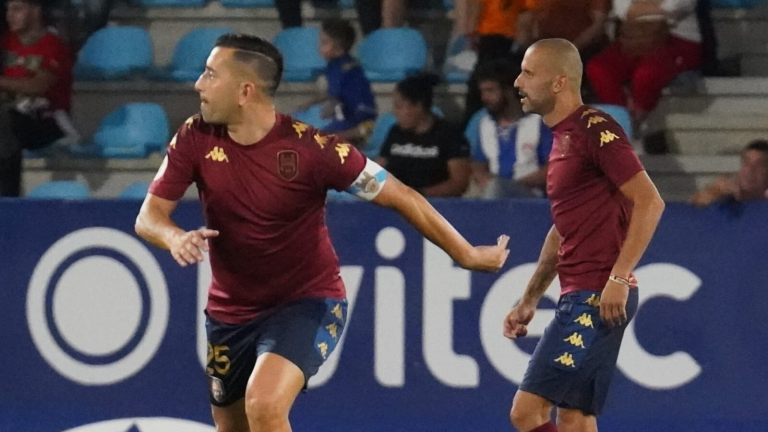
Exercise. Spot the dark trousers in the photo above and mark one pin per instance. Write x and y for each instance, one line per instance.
(368, 11)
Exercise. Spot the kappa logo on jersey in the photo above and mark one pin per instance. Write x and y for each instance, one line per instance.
(588, 112)
(288, 164)
(606, 137)
(595, 120)
(321, 140)
(173, 141)
(300, 128)
(189, 121)
(585, 319)
(343, 151)
(218, 155)
(566, 359)
(575, 339)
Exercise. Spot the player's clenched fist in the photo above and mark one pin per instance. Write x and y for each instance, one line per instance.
(516, 321)
(488, 258)
(187, 248)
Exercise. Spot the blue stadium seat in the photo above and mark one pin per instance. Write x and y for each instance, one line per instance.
(136, 191)
(248, 3)
(389, 55)
(384, 123)
(131, 131)
(172, 3)
(114, 53)
(312, 116)
(472, 132)
(452, 73)
(190, 54)
(346, 4)
(60, 190)
(620, 114)
(301, 58)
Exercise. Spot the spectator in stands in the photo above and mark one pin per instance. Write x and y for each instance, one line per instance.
(493, 27)
(658, 40)
(582, 22)
(37, 78)
(749, 184)
(423, 150)
(511, 150)
(349, 100)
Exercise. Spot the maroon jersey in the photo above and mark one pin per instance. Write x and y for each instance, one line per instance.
(590, 159)
(267, 200)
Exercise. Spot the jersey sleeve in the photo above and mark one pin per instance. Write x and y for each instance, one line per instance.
(178, 169)
(339, 163)
(611, 150)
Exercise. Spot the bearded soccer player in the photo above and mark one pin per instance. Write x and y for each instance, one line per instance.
(605, 211)
(276, 305)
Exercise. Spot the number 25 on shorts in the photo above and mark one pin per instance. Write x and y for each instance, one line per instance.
(217, 360)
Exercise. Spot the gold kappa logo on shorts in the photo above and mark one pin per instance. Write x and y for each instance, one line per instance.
(333, 329)
(323, 349)
(575, 339)
(566, 359)
(336, 311)
(593, 300)
(585, 319)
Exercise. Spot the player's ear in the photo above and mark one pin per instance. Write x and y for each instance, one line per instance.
(559, 83)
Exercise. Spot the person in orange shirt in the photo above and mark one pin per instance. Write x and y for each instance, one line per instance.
(491, 25)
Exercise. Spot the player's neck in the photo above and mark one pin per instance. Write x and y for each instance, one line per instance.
(509, 115)
(564, 107)
(255, 125)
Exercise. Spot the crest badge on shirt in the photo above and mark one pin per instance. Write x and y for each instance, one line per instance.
(288, 164)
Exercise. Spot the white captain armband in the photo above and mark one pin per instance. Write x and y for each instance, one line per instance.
(370, 181)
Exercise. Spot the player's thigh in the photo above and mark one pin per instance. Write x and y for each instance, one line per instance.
(272, 387)
(230, 418)
(573, 420)
(529, 410)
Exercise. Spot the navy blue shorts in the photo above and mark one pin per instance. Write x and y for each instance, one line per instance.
(574, 361)
(305, 332)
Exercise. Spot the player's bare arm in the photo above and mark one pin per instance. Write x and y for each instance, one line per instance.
(154, 225)
(419, 213)
(646, 213)
(515, 324)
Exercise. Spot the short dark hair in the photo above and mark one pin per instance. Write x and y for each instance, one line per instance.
(341, 31)
(418, 89)
(759, 145)
(500, 71)
(258, 53)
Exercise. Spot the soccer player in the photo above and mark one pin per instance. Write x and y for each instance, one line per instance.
(276, 306)
(605, 210)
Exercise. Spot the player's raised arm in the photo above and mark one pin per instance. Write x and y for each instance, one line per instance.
(385, 190)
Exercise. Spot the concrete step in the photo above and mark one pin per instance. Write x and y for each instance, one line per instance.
(726, 86)
(754, 65)
(690, 164)
(680, 187)
(713, 105)
(699, 122)
(711, 143)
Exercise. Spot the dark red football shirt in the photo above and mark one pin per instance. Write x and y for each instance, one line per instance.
(590, 159)
(49, 53)
(267, 200)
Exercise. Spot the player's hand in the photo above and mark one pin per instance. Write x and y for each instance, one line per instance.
(613, 303)
(488, 258)
(188, 248)
(517, 320)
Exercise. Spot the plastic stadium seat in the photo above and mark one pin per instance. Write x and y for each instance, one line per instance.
(248, 3)
(136, 191)
(472, 132)
(114, 53)
(60, 190)
(190, 54)
(384, 123)
(172, 3)
(312, 116)
(389, 55)
(460, 60)
(301, 58)
(131, 131)
(620, 114)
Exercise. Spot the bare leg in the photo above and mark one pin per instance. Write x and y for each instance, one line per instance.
(231, 418)
(529, 411)
(272, 389)
(571, 420)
